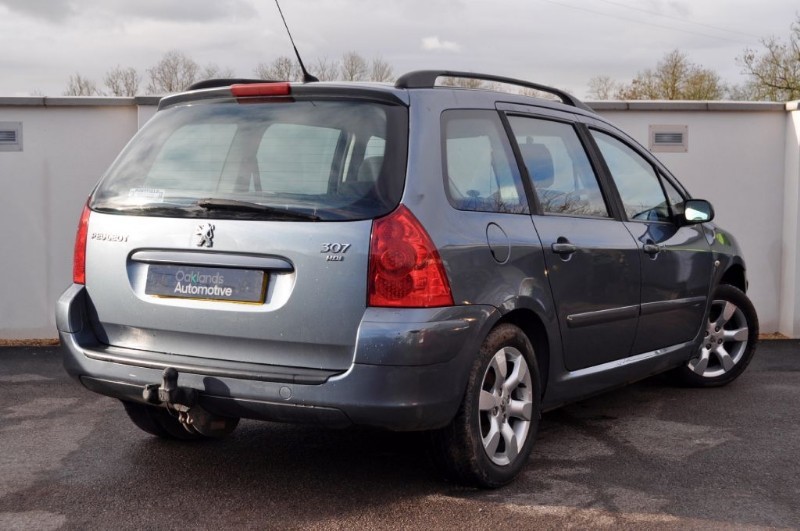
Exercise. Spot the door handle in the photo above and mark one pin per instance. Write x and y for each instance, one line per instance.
(651, 248)
(564, 248)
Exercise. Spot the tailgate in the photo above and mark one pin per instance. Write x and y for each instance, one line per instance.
(269, 292)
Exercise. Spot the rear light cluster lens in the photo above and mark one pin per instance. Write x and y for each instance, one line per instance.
(79, 257)
(405, 270)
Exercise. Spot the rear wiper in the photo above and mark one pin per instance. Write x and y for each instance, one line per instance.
(153, 209)
(245, 206)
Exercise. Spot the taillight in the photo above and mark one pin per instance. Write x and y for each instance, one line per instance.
(405, 270)
(79, 257)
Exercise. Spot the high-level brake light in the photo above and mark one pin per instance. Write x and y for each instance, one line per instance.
(261, 90)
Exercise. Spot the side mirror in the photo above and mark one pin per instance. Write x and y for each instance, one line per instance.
(697, 211)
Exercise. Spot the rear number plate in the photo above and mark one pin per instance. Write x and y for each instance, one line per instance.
(210, 283)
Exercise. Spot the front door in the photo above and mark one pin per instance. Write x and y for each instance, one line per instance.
(676, 259)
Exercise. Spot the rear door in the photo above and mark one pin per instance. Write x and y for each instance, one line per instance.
(593, 263)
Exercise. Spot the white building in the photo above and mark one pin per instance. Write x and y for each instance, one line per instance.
(743, 157)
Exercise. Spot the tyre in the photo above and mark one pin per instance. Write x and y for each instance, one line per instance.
(159, 422)
(731, 334)
(491, 437)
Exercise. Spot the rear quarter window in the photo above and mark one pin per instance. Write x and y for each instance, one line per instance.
(479, 167)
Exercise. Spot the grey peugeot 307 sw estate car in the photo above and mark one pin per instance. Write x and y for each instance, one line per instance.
(411, 257)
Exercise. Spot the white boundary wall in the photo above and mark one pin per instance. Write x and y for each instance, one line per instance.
(744, 157)
(788, 296)
(736, 158)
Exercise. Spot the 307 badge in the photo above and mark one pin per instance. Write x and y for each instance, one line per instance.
(334, 251)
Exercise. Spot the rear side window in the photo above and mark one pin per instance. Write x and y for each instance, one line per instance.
(479, 170)
(329, 160)
(559, 168)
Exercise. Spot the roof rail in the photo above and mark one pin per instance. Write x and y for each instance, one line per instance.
(214, 83)
(427, 79)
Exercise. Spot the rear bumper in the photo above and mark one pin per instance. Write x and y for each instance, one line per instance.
(409, 372)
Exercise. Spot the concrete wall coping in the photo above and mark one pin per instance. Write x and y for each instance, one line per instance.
(705, 106)
(610, 105)
(76, 101)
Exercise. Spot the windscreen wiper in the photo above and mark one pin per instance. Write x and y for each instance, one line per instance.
(154, 209)
(232, 205)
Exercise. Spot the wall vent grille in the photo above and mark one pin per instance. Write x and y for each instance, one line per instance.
(669, 138)
(10, 136)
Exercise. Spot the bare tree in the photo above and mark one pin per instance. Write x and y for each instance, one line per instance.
(775, 71)
(380, 70)
(261, 71)
(670, 74)
(81, 86)
(674, 78)
(463, 82)
(703, 84)
(532, 92)
(173, 73)
(122, 81)
(282, 68)
(212, 71)
(745, 92)
(602, 88)
(643, 87)
(353, 67)
(325, 69)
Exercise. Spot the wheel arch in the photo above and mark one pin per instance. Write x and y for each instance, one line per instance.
(735, 276)
(533, 327)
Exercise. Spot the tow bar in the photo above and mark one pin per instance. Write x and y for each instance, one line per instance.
(182, 403)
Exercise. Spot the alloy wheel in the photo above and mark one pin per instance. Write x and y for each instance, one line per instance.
(505, 406)
(725, 340)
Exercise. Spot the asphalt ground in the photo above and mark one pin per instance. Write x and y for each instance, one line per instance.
(648, 456)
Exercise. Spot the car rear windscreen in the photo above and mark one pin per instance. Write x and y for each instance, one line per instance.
(325, 160)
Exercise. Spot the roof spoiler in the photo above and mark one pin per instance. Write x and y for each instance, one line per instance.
(216, 83)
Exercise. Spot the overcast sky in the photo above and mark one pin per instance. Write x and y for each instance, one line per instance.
(556, 42)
